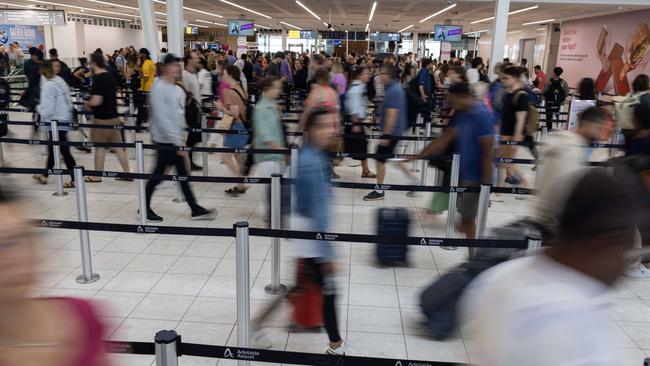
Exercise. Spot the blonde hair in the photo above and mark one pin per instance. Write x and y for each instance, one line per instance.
(337, 67)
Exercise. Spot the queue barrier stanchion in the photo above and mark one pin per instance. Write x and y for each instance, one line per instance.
(167, 347)
(43, 136)
(56, 149)
(453, 195)
(534, 245)
(294, 174)
(414, 164)
(544, 133)
(243, 286)
(142, 204)
(131, 119)
(483, 203)
(179, 193)
(87, 275)
(2, 156)
(204, 143)
(423, 168)
(276, 287)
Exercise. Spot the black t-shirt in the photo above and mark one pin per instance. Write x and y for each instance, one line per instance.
(508, 116)
(104, 84)
(248, 71)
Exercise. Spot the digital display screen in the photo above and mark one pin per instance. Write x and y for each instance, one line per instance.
(384, 37)
(32, 17)
(448, 33)
(241, 27)
(191, 30)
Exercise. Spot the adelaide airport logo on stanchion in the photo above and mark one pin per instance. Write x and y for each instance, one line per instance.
(242, 354)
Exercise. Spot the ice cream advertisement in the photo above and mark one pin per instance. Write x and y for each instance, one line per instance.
(612, 50)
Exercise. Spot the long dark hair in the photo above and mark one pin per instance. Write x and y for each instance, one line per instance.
(587, 89)
(234, 73)
(406, 72)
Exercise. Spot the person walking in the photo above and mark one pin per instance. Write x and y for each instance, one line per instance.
(192, 88)
(234, 108)
(55, 104)
(103, 104)
(356, 112)
(167, 103)
(147, 75)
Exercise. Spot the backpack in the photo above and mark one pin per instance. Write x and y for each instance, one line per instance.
(192, 109)
(248, 122)
(624, 110)
(532, 115)
(556, 93)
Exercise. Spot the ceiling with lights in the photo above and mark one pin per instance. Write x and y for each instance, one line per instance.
(350, 15)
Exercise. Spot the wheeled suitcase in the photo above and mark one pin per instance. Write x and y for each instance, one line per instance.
(392, 223)
(307, 302)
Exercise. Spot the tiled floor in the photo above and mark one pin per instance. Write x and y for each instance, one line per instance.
(187, 283)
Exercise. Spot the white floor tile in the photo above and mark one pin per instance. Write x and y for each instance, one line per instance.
(162, 307)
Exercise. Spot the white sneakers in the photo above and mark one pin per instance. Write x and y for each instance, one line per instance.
(261, 340)
(638, 271)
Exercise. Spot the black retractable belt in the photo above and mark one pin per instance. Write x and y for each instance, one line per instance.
(136, 348)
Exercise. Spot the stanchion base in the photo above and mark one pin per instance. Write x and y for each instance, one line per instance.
(415, 170)
(282, 289)
(93, 278)
(179, 200)
(63, 194)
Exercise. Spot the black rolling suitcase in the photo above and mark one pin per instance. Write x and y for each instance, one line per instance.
(392, 222)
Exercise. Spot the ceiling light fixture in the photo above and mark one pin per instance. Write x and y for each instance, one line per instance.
(367, 27)
(403, 29)
(261, 26)
(540, 22)
(290, 25)
(247, 9)
(203, 12)
(197, 25)
(438, 13)
(101, 16)
(513, 32)
(20, 6)
(510, 13)
(209, 22)
(477, 32)
(80, 8)
(372, 11)
(308, 10)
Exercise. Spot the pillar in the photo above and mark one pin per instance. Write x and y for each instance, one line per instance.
(149, 28)
(175, 29)
(415, 45)
(284, 39)
(499, 28)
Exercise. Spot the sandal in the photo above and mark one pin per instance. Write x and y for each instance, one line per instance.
(40, 178)
(368, 174)
(235, 191)
(69, 184)
(93, 180)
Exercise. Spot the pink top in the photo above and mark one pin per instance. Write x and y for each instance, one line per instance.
(223, 86)
(91, 340)
(340, 81)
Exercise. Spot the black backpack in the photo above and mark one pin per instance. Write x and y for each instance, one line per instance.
(556, 93)
(192, 110)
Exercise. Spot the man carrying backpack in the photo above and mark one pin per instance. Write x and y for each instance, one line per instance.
(192, 102)
(424, 89)
(555, 93)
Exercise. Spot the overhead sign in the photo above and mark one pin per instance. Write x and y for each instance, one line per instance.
(449, 33)
(385, 37)
(191, 30)
(300, 34)
(26, 35)
(241, 27)
(32, 17)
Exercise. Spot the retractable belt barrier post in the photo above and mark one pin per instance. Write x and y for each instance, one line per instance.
(276, 223)
(87, 275)
(534, 244)
(179, 193)
(425, 163)
(2, 156)
(414, 164)
(204, 143)
(294, 174)
(167, 346)
(483, 203)
(142, 204)
(453, 195)
(57, 161)
(243, 287)
(44, 138)
(131, 119)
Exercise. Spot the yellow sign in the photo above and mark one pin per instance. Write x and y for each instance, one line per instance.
(293, 34)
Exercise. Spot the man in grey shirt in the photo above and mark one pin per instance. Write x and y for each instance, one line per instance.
(166, 116)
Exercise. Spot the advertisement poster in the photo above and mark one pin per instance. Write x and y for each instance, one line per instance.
(26, 35)
(577, 107)
(611, 49)
(241, 27)
(445, 51)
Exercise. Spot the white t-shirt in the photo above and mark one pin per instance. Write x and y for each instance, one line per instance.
(535, 311)
(191, 83)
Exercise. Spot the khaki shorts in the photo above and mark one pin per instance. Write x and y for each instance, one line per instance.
(105, 135)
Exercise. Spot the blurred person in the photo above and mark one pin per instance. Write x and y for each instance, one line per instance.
(103, 104)
(120, 61)
(555, 93)
(65, 72)
(4, 62)
(247, 68)
(205, 83)
(456, 75)
(356, 112)
(274, 65)
(539, 82)
(31, 69)
(258, 71)
(393, 124)
(234, 105)
(406, 75)
(473, 73)
(147, 75)
(587, 89)
(55, 104)
(471, 134)
(191, 86)
(268, 132)
(167, 103)
(45, 331)
(513, 123)
(339, 79)
(300, 76)
(287, 77)
(231, 59)
(563, 154)
(313, 213)
(549, 308)
(425, 90)
(81, 76)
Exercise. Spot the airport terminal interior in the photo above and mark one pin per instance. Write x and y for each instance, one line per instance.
(383, 118)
